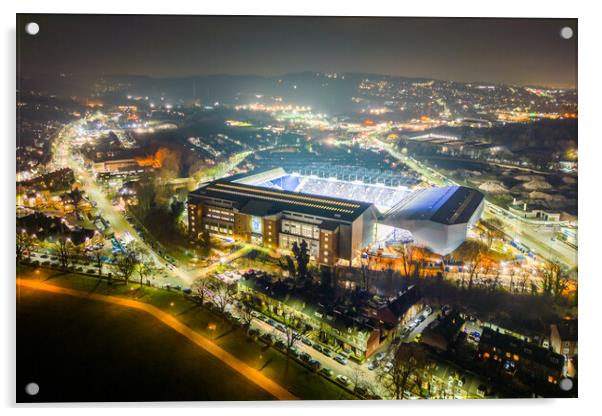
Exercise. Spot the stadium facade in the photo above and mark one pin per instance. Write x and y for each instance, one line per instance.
(337, 219)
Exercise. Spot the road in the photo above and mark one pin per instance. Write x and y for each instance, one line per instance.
(63, 157)
(533, 234)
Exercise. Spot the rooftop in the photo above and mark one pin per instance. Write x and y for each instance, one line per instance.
(448, 205)
(248, 198)
(525, 350)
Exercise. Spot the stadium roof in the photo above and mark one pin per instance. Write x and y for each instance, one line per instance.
(260, 201)
(448, 205)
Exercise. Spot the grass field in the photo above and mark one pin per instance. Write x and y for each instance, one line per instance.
(82, 350)
(302, 382)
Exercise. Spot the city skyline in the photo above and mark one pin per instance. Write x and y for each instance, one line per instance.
(507, 51)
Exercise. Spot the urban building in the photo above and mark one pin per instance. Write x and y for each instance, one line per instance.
(563, 338)
(442, 333)
(516, 358)
(336, 219)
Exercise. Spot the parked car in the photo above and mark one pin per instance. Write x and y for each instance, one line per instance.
(343, 379)
(361, 390)
(317, 347)
(380, 356)
(327, 371)
(327, 352)
(372, 365)
(341, 360)
(314, 364)
(387, 367)
(306, 341)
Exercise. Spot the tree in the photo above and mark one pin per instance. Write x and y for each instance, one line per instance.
(493, 230)
(365, 277)
(406, 254)
(473, 254)
(409, 361)
(294, 330)
(223, 293)
(64, 250)
(302, 257)
(555, 279)
(200, 287)
(97, 258)
(76, 196)
(25, 244)
(246, 316)
(144, 264)
(204, 243)
(145, 268)
(125, 263)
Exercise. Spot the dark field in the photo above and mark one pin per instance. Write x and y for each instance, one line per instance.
(82, 350)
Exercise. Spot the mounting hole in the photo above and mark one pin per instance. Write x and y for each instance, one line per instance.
(566, 32)
(566, 384)
(32, 389)
(32, 28)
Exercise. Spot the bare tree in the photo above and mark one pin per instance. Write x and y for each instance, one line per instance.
(125, 263)
(473, 253)
(145, 269)
(65, 252)
(493, 230)
(200, 287)
(246, 316)
(97, 258)
(409, 360)
(406, 252)
(555, 279)
(294, 331)
(144, 263)
(223, 294)
(25, 244)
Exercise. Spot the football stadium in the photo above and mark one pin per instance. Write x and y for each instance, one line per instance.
(338, 219)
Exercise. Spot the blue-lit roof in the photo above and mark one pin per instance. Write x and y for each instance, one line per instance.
(447, 205)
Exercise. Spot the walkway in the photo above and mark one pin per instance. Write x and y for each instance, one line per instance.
(237, 365)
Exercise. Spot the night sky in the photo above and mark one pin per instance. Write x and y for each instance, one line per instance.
(512, 51)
